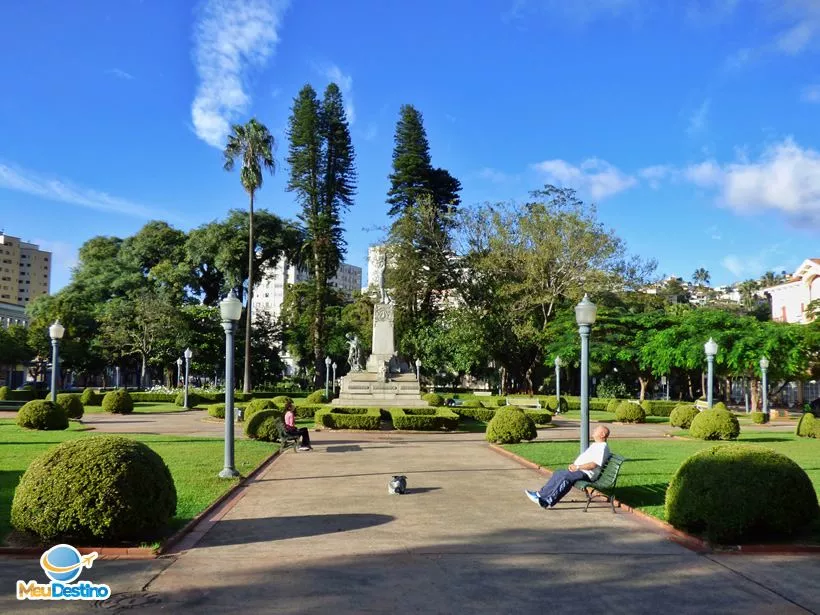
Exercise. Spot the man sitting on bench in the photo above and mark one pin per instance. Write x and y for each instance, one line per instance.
(586, 467)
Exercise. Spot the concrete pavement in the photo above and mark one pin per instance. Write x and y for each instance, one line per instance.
(318, 533)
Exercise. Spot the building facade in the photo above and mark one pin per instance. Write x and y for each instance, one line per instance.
(790, 299)
(25, 271)
(12, 314)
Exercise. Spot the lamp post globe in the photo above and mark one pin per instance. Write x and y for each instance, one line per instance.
(327, 377)
(179, 372)
(711, 349)
(55, 332)
(230, 309)
(418, 370)
(585, 314)
(558, 364)
(764, 387)
(187, 354)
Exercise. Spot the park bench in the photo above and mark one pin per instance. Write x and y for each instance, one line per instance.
(701, 405)
(287, 439)
(524, 402)
(604, 483)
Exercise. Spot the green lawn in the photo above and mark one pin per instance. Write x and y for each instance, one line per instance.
(602, 416)
(650, 464)
(145, 407)
(194, 464)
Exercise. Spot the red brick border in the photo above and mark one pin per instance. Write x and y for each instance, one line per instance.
(228, 499)
(682, 538)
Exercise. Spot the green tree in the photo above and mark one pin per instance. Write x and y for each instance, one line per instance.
(701, 277)
(323, 176)
(14, 348)
(410, 178)
(253, 144)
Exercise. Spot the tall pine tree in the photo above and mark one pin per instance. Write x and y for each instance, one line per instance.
(323, 176)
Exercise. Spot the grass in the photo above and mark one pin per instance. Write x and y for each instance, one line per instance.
(651, 464)
(602, 416)
(143, 407)
(194, 464)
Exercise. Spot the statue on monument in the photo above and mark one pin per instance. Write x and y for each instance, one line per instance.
(382, 265)
(353, 352)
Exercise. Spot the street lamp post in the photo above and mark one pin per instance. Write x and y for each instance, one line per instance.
(327, 377)
(418, 370)
(187, 354)
(711, 349)
(585, 313)
(334, 366)
(55, 332)
(117, 372)
(558, 381)
(764, 366)
(230, 309)
(179, 372)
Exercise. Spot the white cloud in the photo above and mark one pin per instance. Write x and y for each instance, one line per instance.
(655, 174)
(119, 73)
(786, 178)
(29, 182)
(230, 36)
(699, 118)
(811, 94)
(797, 38)
(335, 75)
(494, 175)
(598, 177)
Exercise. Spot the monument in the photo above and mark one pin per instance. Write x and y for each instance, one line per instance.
(385, 380)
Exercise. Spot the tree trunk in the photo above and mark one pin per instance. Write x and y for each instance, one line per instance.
(246, 382)
(755, 395)
(644, 383)
(689, 382)
(319, 275)
(143, 371)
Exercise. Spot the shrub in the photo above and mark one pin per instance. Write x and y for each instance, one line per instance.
(509, 426)
(424, 419)
(42, 415)
(90, 397)
(658, 407)
(258, 405)
(736, 493)
(682, 415)
(349, 418)
(118, 402)
(306, 412)
(4, 392)
(612, 405)
(109, 488)
(217, 411)
(553, 404)
(612, 386)
(262, 425)
(280, 401)
(71, 405)
(715, 425)
(479, 414)
(194, 400)
(629, 412)
(595, 403)
(720, 406)
(539, 417)
(155, 397)
(806, 426)
(500, 402)
(433, 399)
(317, 397)
(760, 418)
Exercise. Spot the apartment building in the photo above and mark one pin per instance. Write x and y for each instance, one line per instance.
(790, 299)
(25, 271)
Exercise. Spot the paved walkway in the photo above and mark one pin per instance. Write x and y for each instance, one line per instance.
(318, 533)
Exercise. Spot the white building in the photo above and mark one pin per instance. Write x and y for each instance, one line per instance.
(12, 314)
(789, 300)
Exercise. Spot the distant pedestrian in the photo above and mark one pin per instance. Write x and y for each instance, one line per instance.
(291, 428)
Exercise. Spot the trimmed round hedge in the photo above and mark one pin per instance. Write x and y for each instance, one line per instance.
(509, 426)
(317, 397)
(740, 492)
(4, 392)
(807, 426)
(612, 405)
(257, 405)
(193, 399)
(759, 418)
(719, 405)
(554, 404)
(217, 411)
(433, 399)
(103, 487)
(90, 397)
(280, 401)
(71, 404)
(715, 425)
(42, 415)
(629, 412)
(118, 402)
(262, 425)
(683, 415)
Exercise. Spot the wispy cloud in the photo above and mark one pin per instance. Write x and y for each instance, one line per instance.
(655, 175)
(811, 94)
(335, 75)
(120, 74)
(370, 131)
(495, 176)
(597, 177)
(61, 191)
(230, 37)
(699, 119)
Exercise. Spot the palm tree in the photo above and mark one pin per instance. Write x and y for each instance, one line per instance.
(254, 144)
(701, 277)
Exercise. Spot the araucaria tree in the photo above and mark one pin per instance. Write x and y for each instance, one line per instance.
(323, 176)
(253, 145)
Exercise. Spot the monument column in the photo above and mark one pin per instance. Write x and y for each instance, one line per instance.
(383, 345)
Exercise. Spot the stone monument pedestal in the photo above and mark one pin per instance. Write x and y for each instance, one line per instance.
(386, 381)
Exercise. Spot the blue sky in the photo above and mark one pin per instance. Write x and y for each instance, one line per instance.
(692, 124)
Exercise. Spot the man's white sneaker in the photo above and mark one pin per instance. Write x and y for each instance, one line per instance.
(533, 496)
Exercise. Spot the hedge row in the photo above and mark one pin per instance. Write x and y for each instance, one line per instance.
(423, 419)
(348, 418)
(539, 417)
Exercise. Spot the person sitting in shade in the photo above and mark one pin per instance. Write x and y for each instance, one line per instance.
(291, 428)
(587, 466)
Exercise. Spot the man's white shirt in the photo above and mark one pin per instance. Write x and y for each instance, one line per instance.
(597, 452)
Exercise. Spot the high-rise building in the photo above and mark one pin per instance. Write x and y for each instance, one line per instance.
(25, 271)
(269, 294)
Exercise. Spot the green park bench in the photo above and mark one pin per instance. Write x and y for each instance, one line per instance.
(287, 439)
(605, 483)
